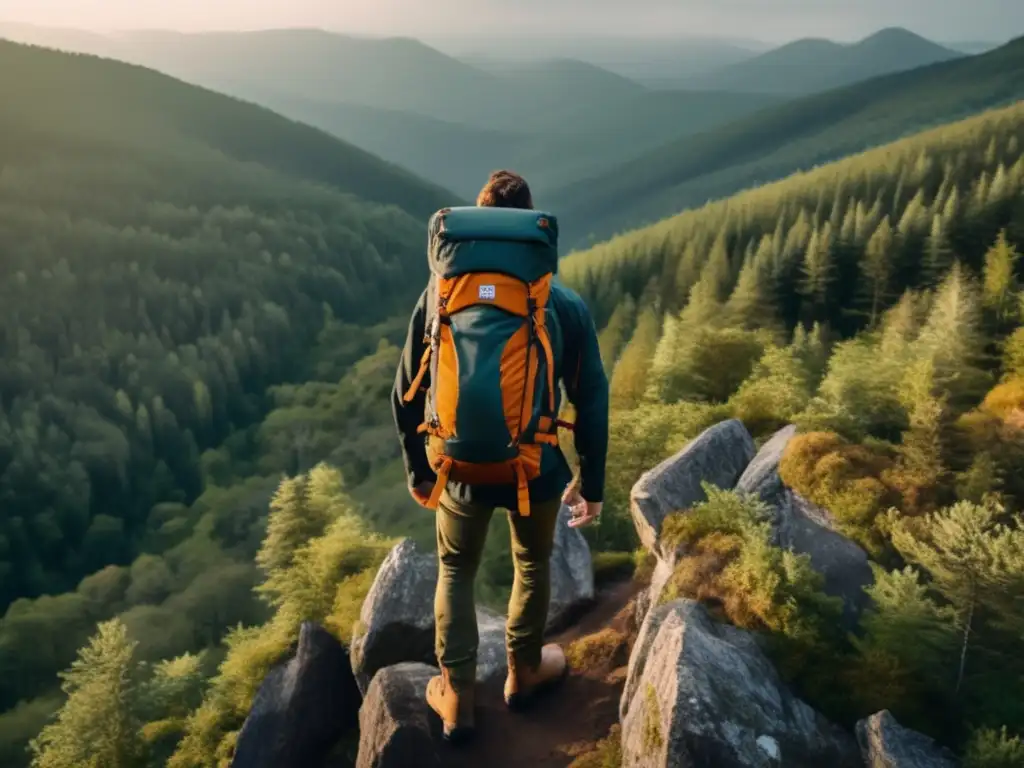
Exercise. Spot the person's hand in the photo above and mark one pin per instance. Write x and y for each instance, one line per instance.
(583, 512)
(422, 493)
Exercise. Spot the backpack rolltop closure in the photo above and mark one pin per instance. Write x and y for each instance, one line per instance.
(491, 399)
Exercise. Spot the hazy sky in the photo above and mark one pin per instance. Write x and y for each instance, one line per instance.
(771, 20)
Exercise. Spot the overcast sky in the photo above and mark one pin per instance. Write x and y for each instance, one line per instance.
(771, 20)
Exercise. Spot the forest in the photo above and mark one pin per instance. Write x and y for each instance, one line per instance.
(158, 295)
(196, 450)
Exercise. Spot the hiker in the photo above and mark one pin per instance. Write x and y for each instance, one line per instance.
(476, 402)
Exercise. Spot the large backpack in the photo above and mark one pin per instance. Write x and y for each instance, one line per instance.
(491, 397)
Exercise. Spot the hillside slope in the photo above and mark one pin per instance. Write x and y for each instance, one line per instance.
(168, 253)
(780, 140)
(555, 120)
(86, 99)
(812, 65)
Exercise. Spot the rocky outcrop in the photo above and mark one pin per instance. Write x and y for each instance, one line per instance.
(761, 477)
(807, 529)
(396, 623)
(703, 694)
(394, 725)
(572, 574)
(718, 456)
(302, 708)
(885, 743)
(810, 530)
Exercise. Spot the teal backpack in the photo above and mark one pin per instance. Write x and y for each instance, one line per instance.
(491, 398)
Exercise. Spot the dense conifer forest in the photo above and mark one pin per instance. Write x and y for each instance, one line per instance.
(876, 304)
(198, 334)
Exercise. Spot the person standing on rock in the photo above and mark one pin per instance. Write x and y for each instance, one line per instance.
(476, 402)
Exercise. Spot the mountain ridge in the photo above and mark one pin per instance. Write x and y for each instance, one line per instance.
(795, 135)
(811, 65)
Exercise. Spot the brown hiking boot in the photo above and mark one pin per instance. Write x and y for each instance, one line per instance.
(453, 703)
(523, 683)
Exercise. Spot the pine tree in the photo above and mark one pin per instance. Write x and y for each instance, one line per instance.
(877, 268)
(999, 279)
(301, 510)
(616, 334)
(974, 561)
(906, 647)
(954, 340)
(751, 304)
(938, 254)
(95, 728)
(921, 469)
(632, 371)
(818, 269)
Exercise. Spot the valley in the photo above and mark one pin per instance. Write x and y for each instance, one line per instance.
(209, 245)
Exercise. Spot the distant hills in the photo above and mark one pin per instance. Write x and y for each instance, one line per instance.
(554, 120)
(777, 141)
(812, 65)
(654, 62)
(48, 98)
(607, 150)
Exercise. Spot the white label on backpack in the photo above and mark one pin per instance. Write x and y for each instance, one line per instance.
(487, 293)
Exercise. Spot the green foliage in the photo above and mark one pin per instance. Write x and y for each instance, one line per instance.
(804, 134)
(607, 753)
(613, 566)
(990, 748)
(96, 727)
(651, 736)
(907, 678)
(150, 302)
(946, 166)
(324, 580)
(845, 478)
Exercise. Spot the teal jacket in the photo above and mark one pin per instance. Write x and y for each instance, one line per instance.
(578, 361)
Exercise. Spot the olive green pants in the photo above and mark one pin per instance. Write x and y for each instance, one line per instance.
(461, 534)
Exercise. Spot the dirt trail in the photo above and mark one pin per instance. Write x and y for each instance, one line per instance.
(563, 724)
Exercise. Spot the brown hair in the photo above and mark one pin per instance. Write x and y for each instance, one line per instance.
(505, 189)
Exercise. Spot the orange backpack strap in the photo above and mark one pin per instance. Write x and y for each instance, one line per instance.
(539, 291)
(417, 382)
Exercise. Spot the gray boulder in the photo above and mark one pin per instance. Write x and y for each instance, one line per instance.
(761, 477)
(804, 528)
(572, 574)
(650, 596)
(396, 623)
(885, 743)
(699, 693)
(718, 456)
(394, 721)
(302, 708)
(810, 530)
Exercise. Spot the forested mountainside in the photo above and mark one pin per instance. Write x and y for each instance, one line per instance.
(554, 120)
(876, 303)
(813, 65)
(167, 255)
(797, 135)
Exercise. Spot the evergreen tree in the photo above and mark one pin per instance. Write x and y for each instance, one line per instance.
(938, 255)
(616, 334)
(877, 269)
(953, 339)
(751, 304)
(999, 279)
(632, 371)
(96, 727)
(973, 560)
(818, 269)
